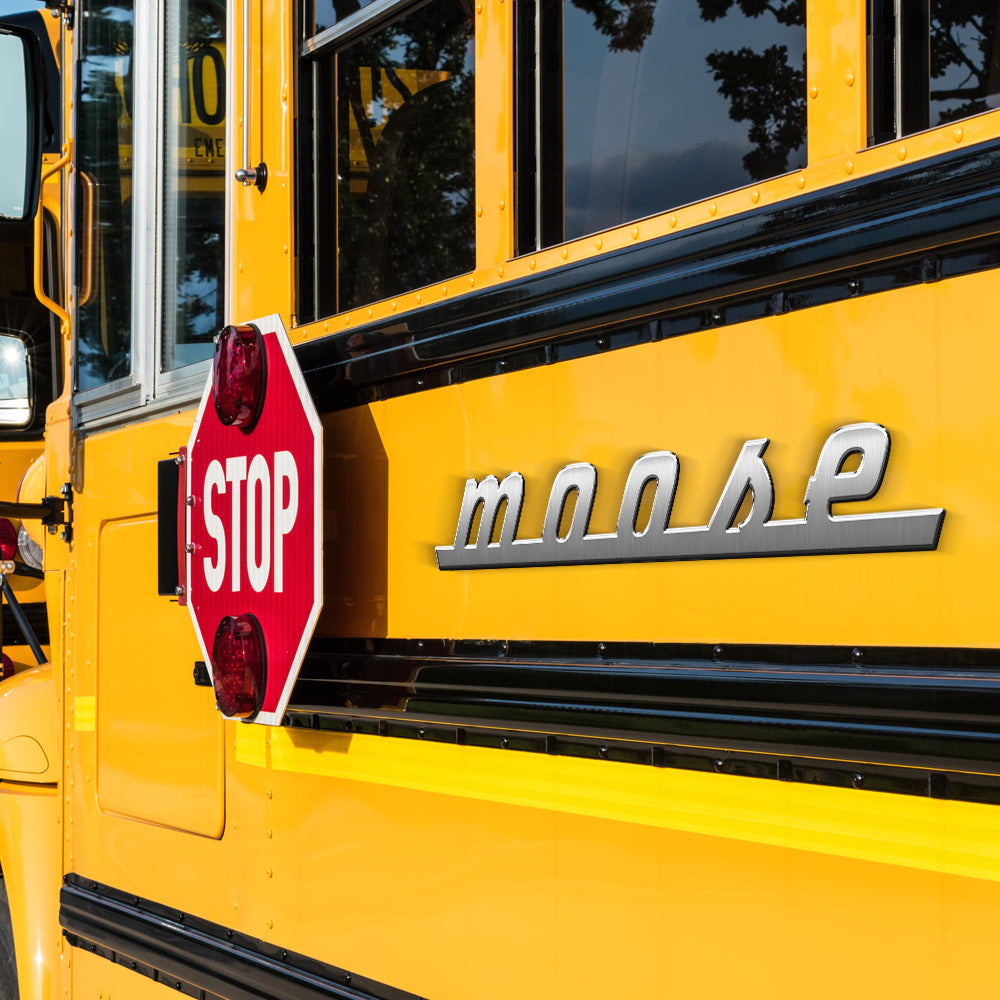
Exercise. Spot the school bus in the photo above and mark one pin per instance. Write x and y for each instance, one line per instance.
(521, 515)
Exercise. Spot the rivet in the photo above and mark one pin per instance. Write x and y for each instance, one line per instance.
(504, 743)
(901, 152)
(347, 320)
(719, 765)
(189, 547)
(472, 281)
(190, 501)
(270, 925)
(241, 267)
(856, 655)
(269, 794)
(713, 208)
(479, 210)
(849, 79)
(857, 780)
(601, 648)
(270, 873)
(394, 306)
(598, 243)
(814, 91)
(270, 833)
(502, 204)
(635, 232)
(500, 271)
(421, 733)
(603, 752)
(717, 653)
(958, 135)
(285, 248)
(849, 166)
(565, 253)
(444, 289)
(532, 263)
(420, 299)
(755, 195)
(673, 221)
(801, 180)
(326, 326)
(371, 312)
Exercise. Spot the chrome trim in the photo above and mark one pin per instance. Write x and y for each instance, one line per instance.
(820, 532)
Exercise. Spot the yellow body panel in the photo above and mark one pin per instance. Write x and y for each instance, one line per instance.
(30, 750)
(793, 379)
(30, 836)
(458, 872)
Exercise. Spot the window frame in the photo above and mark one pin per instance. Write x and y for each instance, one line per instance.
(310, 51)
(147, 390)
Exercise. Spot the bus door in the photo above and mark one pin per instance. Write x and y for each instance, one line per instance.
(150, 147)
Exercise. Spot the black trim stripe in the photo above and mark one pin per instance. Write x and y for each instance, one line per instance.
(906, 226)
(920, 709)
(196, 957)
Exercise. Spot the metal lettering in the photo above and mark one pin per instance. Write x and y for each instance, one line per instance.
(819, 532)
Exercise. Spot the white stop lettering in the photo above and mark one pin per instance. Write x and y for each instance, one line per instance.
(262, 493)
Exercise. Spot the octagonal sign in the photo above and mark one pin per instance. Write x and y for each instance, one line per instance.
(254, 520)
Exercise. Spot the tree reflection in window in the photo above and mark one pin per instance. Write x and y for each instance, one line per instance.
(665, 103)
(964, 59)
(405, 215)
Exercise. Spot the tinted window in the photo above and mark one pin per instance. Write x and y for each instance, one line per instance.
(104, 193)
(386, 161)
(663, 102)
(194, 181)
(964, 58)
(929, 64)
(322, 14)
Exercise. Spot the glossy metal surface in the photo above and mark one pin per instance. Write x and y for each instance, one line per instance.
(820, 532)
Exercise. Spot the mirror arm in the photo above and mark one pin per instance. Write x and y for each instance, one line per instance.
(50, 304)
(51, 511)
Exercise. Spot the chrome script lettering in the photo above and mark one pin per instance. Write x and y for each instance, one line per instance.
(819, 532)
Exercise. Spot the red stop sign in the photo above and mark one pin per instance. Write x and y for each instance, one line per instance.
(254, 520)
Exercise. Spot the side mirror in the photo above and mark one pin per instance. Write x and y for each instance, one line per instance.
(21, 121)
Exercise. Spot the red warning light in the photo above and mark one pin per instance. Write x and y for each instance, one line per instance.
(238, 376)
(238, 666)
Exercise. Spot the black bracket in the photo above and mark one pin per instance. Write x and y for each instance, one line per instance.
(53, 511)
(64, 8)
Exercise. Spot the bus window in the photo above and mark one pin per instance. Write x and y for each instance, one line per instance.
(320, 14)
(643, 106)
(386, 160)
(194, 194)
(930, 64)
(104, 206)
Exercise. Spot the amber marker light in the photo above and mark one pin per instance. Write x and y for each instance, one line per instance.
(239, 376)
(238, 666)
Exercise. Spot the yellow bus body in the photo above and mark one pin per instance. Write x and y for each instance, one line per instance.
(453, 871)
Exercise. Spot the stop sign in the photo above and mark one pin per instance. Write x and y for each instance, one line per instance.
(254, 520)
